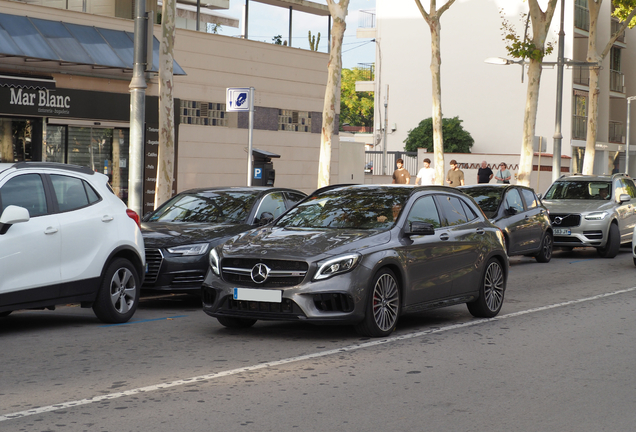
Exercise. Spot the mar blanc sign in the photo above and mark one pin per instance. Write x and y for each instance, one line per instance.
(42, 99)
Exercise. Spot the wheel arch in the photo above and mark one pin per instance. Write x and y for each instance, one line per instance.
(129, 254)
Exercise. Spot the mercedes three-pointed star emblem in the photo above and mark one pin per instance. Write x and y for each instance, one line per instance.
(259, 273)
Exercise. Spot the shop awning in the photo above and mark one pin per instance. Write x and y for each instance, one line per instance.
(27, 82)
(69, 44)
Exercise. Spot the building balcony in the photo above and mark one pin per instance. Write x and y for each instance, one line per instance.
(579, 127)
(366, 24)
(616, 134)
(367, 82)
(617, 81)
(581, 75)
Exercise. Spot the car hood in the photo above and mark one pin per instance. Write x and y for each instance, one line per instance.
(577, 206)
(163, 234)
(303, 243)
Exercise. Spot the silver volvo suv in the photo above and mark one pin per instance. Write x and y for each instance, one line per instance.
(592, 210)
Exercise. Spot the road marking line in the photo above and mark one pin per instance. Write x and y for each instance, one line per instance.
(376, 342)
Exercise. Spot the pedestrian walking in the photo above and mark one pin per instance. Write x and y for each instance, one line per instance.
(426, 175)
(455, 176)
(401, 175)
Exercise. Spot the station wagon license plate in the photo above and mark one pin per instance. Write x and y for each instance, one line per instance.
(249, 294)
(562, 231)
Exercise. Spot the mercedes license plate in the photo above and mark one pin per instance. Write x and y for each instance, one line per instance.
(249, 294)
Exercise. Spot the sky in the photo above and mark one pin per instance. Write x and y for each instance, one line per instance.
(266, 22)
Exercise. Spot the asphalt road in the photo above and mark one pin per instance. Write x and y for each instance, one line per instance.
(559, 357)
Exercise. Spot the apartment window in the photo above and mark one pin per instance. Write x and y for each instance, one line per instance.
(616, 76)
(579, 122)
(581, 15)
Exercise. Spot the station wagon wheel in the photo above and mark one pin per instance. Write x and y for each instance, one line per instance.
(118, 295)
(491, 292)
(383, 306)
(231, 322)
(545, 254)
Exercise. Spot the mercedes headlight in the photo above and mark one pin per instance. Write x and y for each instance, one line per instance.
(337, 265)
(596, 216)
(189, 250)
(214, 262)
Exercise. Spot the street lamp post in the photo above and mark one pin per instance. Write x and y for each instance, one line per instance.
(558, 137)
(629, 100)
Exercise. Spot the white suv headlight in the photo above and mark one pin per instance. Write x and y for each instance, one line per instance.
(189, 250)
(337, 265)
(214, 262)
(596, 216)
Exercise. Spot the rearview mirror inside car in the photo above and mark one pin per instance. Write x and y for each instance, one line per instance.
(266, 217)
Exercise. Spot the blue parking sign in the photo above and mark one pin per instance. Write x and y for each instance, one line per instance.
(258, 173)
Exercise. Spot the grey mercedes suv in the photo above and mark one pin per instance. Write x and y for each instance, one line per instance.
(592, 210)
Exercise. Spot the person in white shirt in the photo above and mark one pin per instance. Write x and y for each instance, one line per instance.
(426, 176)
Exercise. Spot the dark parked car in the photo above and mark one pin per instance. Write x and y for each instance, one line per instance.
(517, 210)
(179, 234)
(361, 255)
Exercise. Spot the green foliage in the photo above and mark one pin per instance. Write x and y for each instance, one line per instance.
(622, 9)
(277, 40)
(313, 42)
(518, 47)
(456, 139)
(356, 108)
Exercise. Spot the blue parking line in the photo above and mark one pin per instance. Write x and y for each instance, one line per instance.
(143, 321)
(578, 261)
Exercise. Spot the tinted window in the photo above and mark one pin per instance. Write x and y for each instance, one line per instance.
(452, 209)
(425, 210)
(530, 198)
(358, 208)
(25, 191)
(470, 213)
(70, 192)
(513, 200)
(210, 207)
(294, 198)
(488, 199)
(588, 190)
(273, 203)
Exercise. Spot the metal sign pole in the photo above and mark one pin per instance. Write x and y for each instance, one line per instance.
(250, 136)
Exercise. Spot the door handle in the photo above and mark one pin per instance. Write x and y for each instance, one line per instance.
(480, 231)
(50, 230)
(107, 218)
(444, 236)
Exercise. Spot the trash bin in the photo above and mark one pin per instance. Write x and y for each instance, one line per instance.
(264, 172)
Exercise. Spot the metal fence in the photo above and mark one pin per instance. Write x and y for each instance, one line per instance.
(366, 18)
(373, 162)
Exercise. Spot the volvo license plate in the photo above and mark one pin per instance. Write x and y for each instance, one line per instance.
(562, 231)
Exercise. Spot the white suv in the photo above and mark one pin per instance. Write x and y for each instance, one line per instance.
(65, 237)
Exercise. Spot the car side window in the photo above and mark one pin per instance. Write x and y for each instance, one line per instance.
(530, 198)
(273, 203)
(452, 210)
(629, 187)
(294, 198)
(24, 191)
(470, 213)
(513, 200)
(425, 210)
(70, 191)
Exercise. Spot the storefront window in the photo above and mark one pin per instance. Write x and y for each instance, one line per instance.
(54, 143)
(15, 140)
